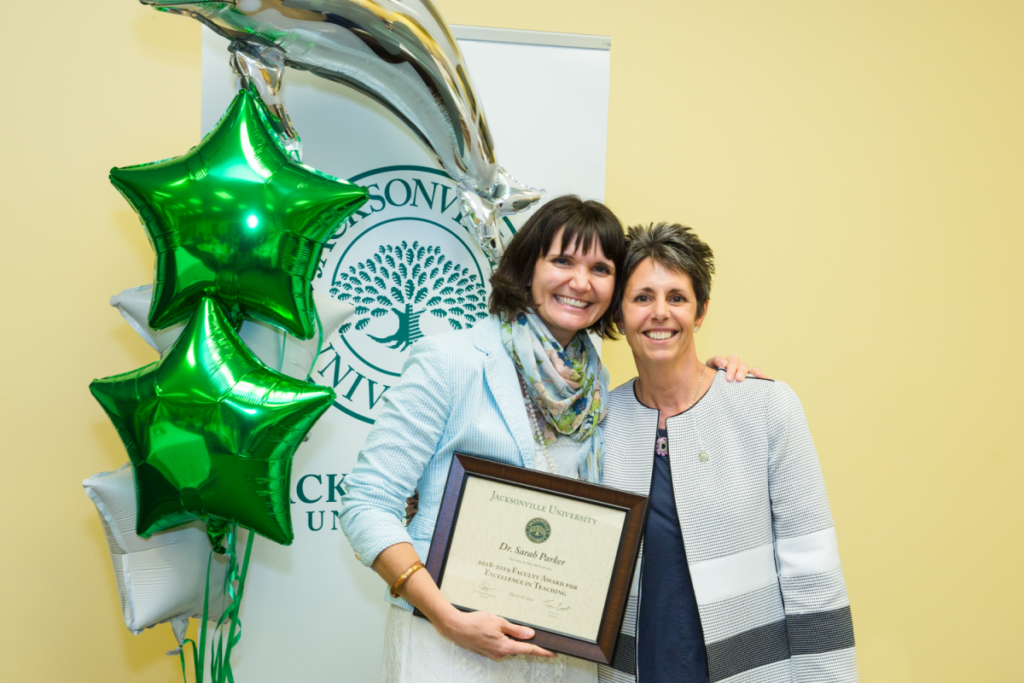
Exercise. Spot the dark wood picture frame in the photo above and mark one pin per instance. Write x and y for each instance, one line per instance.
(629, 543)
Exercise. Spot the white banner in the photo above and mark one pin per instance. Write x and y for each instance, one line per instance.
(311, 611)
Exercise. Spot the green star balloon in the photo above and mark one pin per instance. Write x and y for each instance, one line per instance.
(236, 218)
(211, 431)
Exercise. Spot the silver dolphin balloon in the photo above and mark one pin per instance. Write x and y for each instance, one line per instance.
(400, 53)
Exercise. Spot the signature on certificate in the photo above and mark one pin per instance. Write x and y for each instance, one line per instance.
(556, 606)
(485, 589)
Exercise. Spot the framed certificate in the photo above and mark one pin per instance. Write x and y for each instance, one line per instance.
(548, 552)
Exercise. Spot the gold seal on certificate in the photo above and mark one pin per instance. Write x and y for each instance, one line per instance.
(552, 553)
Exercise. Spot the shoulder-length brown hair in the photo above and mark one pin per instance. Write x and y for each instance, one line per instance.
(584, 221)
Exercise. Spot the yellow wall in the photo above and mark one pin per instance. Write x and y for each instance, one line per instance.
(855, 165)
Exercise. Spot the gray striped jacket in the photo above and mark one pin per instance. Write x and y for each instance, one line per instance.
(758, 531)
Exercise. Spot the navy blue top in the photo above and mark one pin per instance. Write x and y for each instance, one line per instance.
(670, 639)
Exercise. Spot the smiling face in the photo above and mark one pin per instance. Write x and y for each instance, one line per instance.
(571, 290)
(659, 313)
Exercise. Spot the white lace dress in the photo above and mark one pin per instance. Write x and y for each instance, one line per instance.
(414, 652)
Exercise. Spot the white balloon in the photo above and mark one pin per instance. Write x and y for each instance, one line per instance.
(276, 348)
(161, 578)
(134, 307)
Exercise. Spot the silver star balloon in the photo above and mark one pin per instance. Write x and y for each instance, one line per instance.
(399, 53)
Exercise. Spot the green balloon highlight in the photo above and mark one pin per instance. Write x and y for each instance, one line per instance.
(237, 219)
(211, 431)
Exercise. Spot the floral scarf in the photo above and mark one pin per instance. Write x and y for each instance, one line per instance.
(567, 385)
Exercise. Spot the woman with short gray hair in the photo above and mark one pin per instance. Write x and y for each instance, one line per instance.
(739, 577)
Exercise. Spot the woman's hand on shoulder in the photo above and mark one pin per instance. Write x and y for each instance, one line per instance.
(412, 506)
(735, 369)
(490, 635)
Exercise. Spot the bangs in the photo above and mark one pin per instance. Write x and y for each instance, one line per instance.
(583, 234)
(586, 231)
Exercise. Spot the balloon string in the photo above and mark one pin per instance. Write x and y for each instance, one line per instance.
(199, 659)
(220, 665)
(319, 341)
(195, 655)
(232, 638)
(220, 668)
(228, 589)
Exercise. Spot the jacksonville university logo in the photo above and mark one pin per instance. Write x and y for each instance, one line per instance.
(410, 269)
(538, 530)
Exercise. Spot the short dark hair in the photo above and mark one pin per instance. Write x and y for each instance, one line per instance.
(675, 247)
(584, 221)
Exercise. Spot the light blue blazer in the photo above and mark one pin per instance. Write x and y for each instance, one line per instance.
(458, 392)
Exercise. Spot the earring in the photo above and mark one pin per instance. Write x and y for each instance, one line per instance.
(696, 329)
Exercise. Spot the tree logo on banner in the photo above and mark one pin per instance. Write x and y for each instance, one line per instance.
(410, 269)
(408, 280)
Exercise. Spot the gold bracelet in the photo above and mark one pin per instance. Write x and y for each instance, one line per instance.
(405, 577)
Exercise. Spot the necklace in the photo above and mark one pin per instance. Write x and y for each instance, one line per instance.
(640, 389)
(537, 433)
